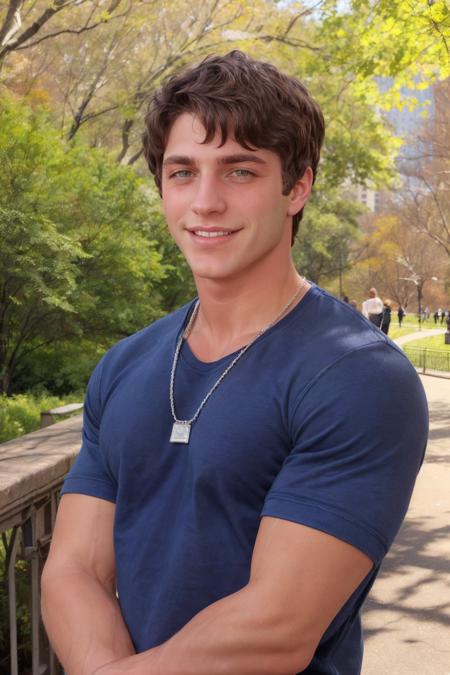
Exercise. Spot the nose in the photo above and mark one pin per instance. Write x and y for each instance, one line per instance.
(208, 197)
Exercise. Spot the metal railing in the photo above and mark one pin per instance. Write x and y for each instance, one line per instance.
(32, 469)
(426, 360)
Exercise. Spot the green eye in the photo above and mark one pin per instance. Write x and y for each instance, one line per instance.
(242, 173)
(182, 173)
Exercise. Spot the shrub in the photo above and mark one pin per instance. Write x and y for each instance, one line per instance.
(20, 414)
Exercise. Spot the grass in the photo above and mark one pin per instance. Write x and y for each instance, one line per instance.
(21, 414)
(433, 342)
(429, 359)
(396, 332)
(410, 325)
(430, 353)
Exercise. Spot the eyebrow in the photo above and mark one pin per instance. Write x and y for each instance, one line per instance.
(184, 160)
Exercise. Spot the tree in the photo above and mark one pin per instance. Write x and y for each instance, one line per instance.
(78, 260)
(38, 279)
(399, 262)
(177, 286)
(26, 23)
(329, 226)
(99, 80)
(96, 68)
(339, 55)
(425, 193)
(381, 38)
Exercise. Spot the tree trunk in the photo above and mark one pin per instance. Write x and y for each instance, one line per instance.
(5, 383)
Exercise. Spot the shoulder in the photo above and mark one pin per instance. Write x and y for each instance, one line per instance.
(329, 328)
(341, 351)
(149, 342)
(146, 339)
(358, 429)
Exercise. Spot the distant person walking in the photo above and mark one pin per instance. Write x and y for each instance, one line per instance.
(372, 308)
(386, 318)
(401, 313)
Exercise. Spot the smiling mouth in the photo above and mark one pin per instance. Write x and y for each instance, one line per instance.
(208, 234)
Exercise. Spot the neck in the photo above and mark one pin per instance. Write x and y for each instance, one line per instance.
(231, 314)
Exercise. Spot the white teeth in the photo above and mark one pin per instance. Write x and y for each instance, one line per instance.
(205, 233)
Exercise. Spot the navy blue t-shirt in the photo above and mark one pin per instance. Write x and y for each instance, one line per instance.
(322, 422)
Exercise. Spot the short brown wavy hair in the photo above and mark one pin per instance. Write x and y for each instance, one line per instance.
(251, 99)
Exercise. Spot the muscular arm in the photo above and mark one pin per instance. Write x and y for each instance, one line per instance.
(300, 578)
(79, 605)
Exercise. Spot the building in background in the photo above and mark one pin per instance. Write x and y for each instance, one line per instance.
(406, 124)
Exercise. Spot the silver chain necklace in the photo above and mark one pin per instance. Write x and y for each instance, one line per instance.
(181, 429)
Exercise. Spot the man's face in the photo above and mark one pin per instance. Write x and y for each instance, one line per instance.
(224, 205)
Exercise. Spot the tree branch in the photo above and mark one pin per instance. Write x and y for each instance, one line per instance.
(71, 31)
(35, 27)
(293, 42)
(135, 157)
(437, 28)
(438, 205)
(78, 118)
(12, 16)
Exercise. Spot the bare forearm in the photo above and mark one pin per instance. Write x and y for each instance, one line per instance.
(235, 636)
(83, 621)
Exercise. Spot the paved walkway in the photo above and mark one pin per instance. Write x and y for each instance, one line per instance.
(407, 617)
(419, 335)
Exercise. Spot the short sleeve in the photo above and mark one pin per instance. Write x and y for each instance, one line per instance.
(90, 474)
(359, 434)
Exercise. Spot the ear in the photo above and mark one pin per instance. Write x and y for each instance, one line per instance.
(299, 194)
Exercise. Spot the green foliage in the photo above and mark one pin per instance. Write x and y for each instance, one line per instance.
(177, 287)
(86, 257)
(78, 259)
(20, 414)
(328, 228)
(109, 214)
(38, 263)
(358, 147)
(392, 39)
(61, 368)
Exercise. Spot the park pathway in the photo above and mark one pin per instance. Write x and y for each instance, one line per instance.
(407, 617)
(428, 332)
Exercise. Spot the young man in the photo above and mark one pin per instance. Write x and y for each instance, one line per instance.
(235, 483)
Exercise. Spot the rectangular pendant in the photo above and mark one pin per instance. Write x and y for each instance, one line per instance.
(180, 432)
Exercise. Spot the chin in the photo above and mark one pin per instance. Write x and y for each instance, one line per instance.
(212, 275)
(210, 269)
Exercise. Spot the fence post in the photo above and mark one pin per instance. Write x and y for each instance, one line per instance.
(12, 553)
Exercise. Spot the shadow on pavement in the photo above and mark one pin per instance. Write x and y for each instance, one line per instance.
(439, 412)
(410, 550)
(439, 430)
